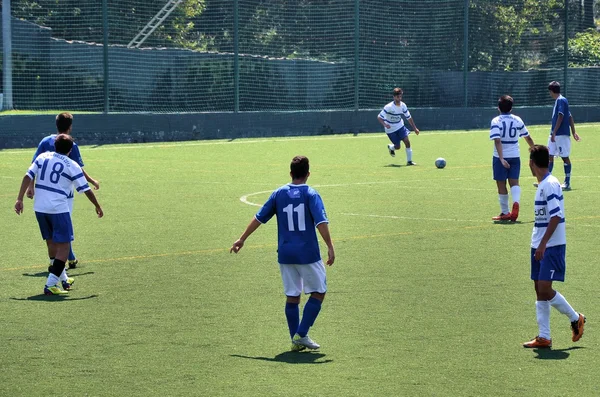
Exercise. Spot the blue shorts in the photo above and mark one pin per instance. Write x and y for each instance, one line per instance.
(57, 227)
(397, 136)
(501, 173)
(552, 266)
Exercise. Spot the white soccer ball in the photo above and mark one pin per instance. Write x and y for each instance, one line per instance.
(440, 162)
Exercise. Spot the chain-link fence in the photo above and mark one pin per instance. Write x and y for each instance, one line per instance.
(295, 55)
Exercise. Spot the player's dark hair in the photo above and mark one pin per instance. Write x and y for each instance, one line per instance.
(397, 91)
(64, 122)
(505, 103)
(540, 155)
(299, 167)
(63, 144)
(554, 86)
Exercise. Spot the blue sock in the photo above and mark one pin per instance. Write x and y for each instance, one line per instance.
(311, 311)
(292, 313)
(567, 174)
(550, 166)
(71, 253)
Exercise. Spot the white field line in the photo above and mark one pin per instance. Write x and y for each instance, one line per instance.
(242, 141)
(244, 198)
(413, 219)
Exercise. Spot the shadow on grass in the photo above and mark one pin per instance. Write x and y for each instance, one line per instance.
(511, 223)
(291, 358)
(393, 165)
(45, 274)
(53, 298)
(555, 354)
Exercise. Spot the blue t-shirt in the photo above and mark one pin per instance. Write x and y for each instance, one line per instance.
(299, 210)
(561, 106)
(47, 145)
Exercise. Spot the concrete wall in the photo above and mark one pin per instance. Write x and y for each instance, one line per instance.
(98, 129)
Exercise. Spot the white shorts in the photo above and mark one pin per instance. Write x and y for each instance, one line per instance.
(561, 147)
(310, 278)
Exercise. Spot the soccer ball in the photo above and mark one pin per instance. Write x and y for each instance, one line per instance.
(440, 162)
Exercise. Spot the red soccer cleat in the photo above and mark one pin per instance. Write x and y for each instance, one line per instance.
(514, 214)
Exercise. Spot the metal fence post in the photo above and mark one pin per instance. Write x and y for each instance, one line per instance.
(356, 52)
(105, 52)
(466, 54)
(566, 49)
(7, 102)
(236, 58)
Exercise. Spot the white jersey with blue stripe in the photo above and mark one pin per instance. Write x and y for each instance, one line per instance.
(548, 204)
(55, 176)
(508, 128)
(392, 114)
(299, 209)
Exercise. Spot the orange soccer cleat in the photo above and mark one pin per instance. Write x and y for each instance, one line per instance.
(577, 327)
(502, 217)
(538, 343)
(514, 214)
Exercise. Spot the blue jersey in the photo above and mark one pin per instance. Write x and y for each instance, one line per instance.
(47, 145)
(561, 106)
(299, 210)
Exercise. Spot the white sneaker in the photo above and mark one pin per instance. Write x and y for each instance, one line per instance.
(392, 150)
(305, 341)
(565, 186)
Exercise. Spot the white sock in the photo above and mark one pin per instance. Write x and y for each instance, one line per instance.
(515, 192)
(503, 198)
(408, 154)
(391, 146)
(63, 275)
(542, 310)
(560, 303)
(52, 280)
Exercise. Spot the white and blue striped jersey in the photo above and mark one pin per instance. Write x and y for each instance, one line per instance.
(392, 114)
(548, 203)
(299, 210)
(55, 176)
(508, 128)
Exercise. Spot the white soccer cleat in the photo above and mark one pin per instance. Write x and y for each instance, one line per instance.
(392, 150)
(305, 341)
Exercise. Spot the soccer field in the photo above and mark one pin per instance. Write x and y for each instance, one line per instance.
(427, 297)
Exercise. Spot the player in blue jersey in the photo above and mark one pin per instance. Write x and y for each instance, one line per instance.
(299, 210)
(559, 142)
(56, 176)
(505, 131)
(64, 125)
(548, 251)
(390, 118)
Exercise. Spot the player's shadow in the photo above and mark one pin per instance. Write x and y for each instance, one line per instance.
(555, 354)
(53, 298)
(45, 274)
(291, 358)
(394, 165)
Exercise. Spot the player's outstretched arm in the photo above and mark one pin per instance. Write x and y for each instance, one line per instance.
(91, 180)
(30, 189)
(529, 141)
(323, 229)
(24, 186)
(413, 125)
(92, 197)
(572, 124)
(239, 243)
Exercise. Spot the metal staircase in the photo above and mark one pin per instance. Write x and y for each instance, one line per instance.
(154, 23)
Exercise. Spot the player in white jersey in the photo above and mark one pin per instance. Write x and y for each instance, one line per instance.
(505, 131)
(56, 175)
(390, 118)
(548, 251)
